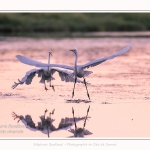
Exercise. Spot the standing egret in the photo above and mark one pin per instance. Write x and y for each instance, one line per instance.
(46, 73)
(78, 69)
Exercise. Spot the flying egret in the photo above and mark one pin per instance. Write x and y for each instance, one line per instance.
(78, 69)
(80, 132)
(46, 73)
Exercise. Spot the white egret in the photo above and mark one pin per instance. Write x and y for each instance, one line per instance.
(78, 69)
(46, 73)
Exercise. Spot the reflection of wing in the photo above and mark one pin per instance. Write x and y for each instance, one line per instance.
(71, 130)
(66, 122)
(99, 61)
(46, 125)
(27, 121)
(86, 132)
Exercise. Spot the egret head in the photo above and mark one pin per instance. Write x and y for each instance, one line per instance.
(50, 53)
(74, 51)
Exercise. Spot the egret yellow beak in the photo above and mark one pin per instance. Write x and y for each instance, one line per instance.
(72, 50)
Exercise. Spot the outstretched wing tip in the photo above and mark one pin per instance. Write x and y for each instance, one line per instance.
(18, 56)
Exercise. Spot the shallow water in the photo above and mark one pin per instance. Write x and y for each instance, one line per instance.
(119, 88)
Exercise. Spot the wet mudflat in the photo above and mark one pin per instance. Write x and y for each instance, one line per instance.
(119, 89)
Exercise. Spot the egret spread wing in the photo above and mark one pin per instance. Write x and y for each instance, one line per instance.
(66, 76)
(99, 61)
(56, 65)
(31, 62)
(28, 77)
(27, 61)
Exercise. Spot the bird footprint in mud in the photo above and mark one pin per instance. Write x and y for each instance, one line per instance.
(46, 124)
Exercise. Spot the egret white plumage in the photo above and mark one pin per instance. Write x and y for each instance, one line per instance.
(46, 73)
(78, 69)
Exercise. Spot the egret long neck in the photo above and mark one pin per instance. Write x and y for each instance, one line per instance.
(48, 61)
(75, 63)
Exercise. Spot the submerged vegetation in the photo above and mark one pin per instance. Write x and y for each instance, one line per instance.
(73, 22)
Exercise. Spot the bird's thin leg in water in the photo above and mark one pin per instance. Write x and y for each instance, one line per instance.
(52, 85)
(45, 86)
(74, 86)
(74, 121)
(86, 117)
(86, 88)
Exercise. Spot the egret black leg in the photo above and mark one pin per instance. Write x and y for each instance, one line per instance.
(86, 88)
(52, 85)
(45, 86)
(74, 121)
(86, 117)
(53, 88)
(74, 86)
